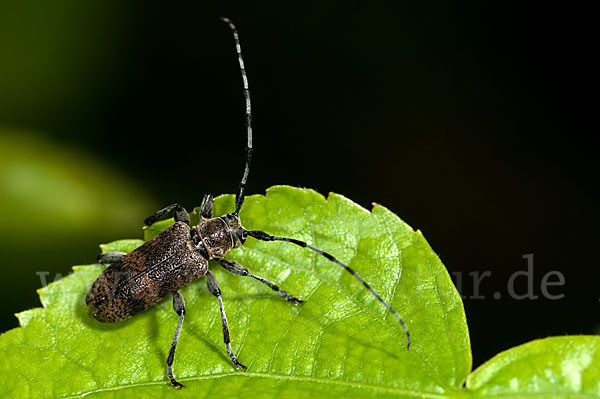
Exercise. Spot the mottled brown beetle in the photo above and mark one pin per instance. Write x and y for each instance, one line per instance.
(179, 255)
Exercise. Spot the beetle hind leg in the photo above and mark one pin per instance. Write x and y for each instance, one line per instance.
(110, 257)
(179, 308)
(213, 287)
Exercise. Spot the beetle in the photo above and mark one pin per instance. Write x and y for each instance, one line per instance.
(179, 256)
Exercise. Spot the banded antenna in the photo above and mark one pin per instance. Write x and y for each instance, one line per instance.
(239, 198)
(261, 235)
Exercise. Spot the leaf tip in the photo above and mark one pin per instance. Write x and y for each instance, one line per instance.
(26, 316)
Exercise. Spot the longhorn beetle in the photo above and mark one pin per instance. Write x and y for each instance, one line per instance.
(179, 255)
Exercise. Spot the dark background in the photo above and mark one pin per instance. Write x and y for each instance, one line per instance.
(473, 122)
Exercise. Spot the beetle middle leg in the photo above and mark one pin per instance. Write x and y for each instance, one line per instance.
(213, 287)
(181, 215)
(179, 308)
(236, 268)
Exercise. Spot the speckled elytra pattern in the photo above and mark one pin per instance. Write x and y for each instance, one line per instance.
(148, 274)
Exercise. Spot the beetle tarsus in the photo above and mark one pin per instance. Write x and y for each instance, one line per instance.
(290, 298)
(176, 385)
(238, 364)
(179, 308)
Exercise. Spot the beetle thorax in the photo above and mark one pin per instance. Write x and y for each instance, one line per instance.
(217, 236)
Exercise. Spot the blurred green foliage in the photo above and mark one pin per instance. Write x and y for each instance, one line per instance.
(60, 191)
(57, 202)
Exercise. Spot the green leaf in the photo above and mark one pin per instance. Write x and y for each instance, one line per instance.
(342, 343)
(48, 185)
(121, 245)
(560, 367)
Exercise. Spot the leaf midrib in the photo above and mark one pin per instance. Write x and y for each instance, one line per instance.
(359, 385)
(325, 381)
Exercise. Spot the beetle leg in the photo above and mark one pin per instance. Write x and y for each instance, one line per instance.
(110, 257)
(181, 214)
(213, 287)
(261, 235)
(236, 268)
(206, 207)
(179, 308)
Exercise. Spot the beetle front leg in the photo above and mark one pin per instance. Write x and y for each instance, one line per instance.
(179, 308)
(235, 268)
(213, 287)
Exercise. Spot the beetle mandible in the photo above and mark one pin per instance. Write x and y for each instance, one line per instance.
(179, 255)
